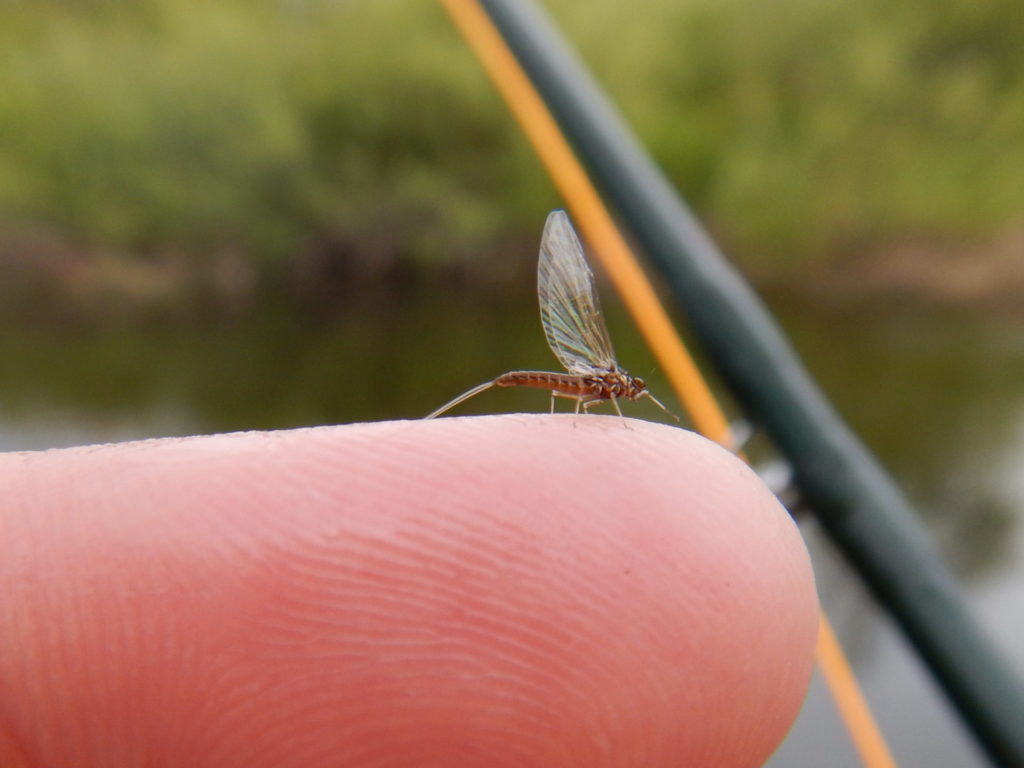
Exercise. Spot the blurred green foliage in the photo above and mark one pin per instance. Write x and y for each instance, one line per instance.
(799, 129)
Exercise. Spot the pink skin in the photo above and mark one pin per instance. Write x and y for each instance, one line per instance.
(496, 591)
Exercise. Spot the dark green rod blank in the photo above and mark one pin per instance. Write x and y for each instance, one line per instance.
(858, 504)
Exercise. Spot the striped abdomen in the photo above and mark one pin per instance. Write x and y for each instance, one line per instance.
(597, 386)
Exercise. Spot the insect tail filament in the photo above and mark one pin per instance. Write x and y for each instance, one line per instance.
(461, 398)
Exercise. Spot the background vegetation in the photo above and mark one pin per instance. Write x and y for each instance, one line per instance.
(267, 134)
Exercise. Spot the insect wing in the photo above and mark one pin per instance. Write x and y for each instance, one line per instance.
(569, 309)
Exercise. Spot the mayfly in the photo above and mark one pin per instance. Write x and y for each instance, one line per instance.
(575, 330)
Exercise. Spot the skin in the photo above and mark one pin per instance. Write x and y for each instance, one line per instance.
(491, 591)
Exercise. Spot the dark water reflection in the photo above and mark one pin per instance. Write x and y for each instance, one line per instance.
(940, 399)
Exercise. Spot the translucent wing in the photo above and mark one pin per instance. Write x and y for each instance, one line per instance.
(569, 310)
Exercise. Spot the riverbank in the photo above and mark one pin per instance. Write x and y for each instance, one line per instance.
(47, 280)
(979, 277)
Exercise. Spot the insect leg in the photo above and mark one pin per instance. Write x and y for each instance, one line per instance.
(618, 410)
(555, 393)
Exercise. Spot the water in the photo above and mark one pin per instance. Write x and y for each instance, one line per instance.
(937, 398)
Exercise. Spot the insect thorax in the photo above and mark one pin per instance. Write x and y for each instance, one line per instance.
(615, 385)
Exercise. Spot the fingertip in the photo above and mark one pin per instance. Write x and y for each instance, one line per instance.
(497, 590)
(689, 567)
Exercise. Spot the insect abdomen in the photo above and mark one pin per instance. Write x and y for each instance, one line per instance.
(565, 383)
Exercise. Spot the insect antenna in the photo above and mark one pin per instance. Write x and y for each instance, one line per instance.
(657, 402)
